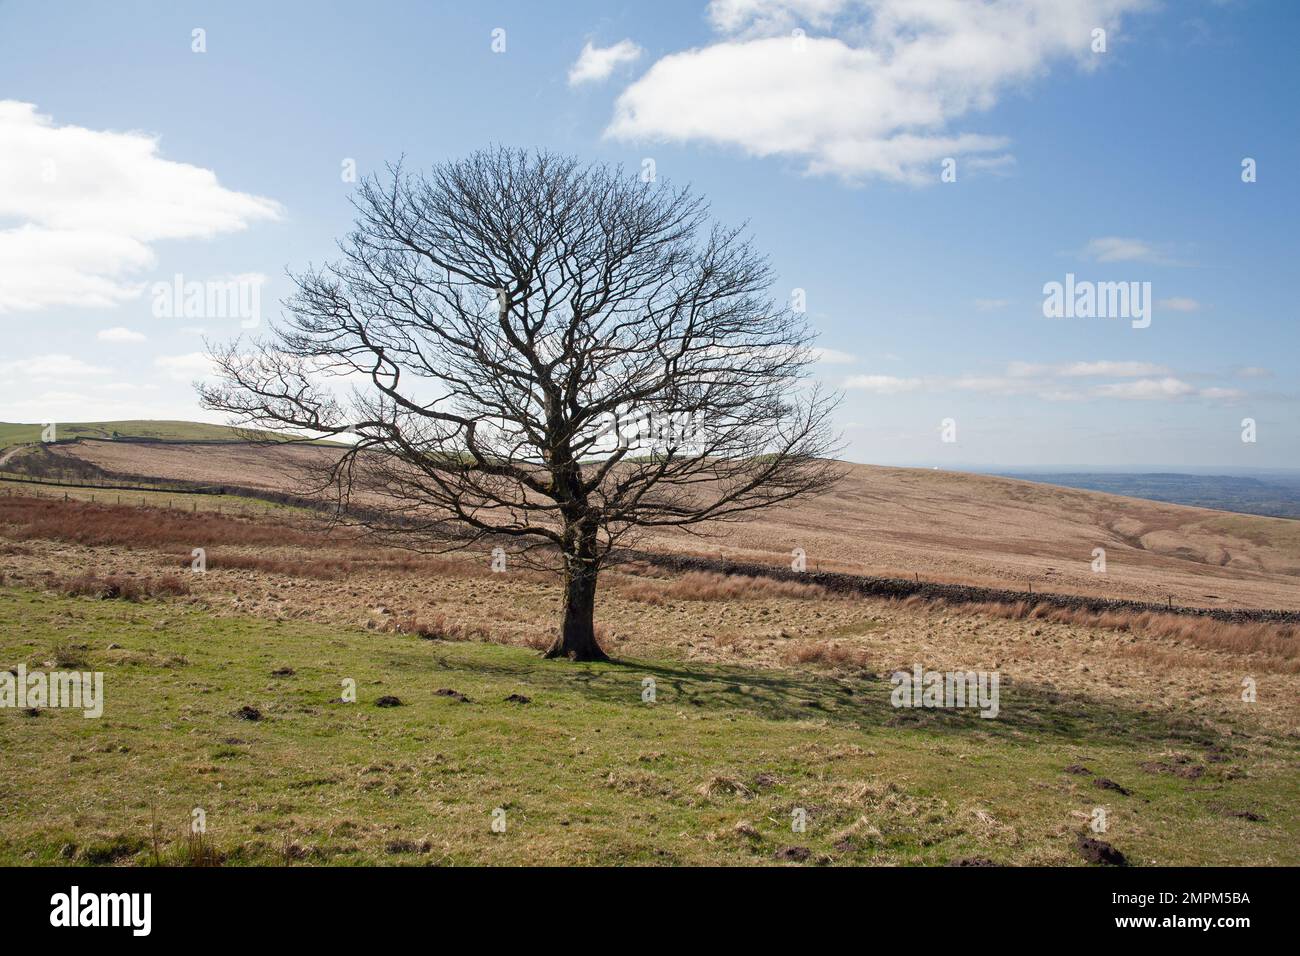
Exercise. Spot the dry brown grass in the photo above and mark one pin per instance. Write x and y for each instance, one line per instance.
(938, 525)
(712, 586)
(298, 546)
(828, 653)
(104, 524)
(301, 566)
(436, 627)
(1273, 640)
(119, 587)
(345, 564)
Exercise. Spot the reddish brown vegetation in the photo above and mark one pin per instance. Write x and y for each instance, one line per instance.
(90, 524)
(97, 525)
(120, 587)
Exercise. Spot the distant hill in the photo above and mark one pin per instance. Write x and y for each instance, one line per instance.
(13, 433)
(902, 522)
(1275, 496)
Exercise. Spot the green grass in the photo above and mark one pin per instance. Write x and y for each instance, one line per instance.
(12, 433)
(15, 433)
(586, 772)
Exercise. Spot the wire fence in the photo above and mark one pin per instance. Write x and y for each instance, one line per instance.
(140, 498)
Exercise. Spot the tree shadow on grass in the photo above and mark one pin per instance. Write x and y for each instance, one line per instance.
(1026, 711)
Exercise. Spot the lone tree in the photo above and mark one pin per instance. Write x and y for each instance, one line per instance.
(532, 351)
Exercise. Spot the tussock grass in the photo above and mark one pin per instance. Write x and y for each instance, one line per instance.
(1280, 641)
(120, 587)
(712, 586)
(436, 628)
(827, 652)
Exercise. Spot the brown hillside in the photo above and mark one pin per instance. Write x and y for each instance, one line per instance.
(947, 526)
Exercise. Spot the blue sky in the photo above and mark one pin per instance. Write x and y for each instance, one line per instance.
(137, 159)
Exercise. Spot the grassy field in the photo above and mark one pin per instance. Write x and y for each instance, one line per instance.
(12, 433)
(585, 770)
(177, 500)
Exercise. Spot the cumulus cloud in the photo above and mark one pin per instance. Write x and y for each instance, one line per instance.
(89, 204)
(596, 63)
(876, 94)
(772, 16)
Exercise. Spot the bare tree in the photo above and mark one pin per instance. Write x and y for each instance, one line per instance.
(543, 353)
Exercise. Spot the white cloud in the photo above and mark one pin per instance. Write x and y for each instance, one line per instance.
(771, 16)
(1027, 369)
(185, 368)
(989, 383)
(1230, 394)
(1062, 395)
(833, 356)
(597, 63)
(997, 165)
(1146, 388)
(1254, 371)
(1057, 383)
(1119, 249)
(104, 404)
(120, 334)
(875, 97)
(55, 367)
(89, 204)
(882, 384)
(1115, 369)
(1085, 370)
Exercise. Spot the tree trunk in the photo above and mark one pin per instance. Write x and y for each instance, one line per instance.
(577, 640)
